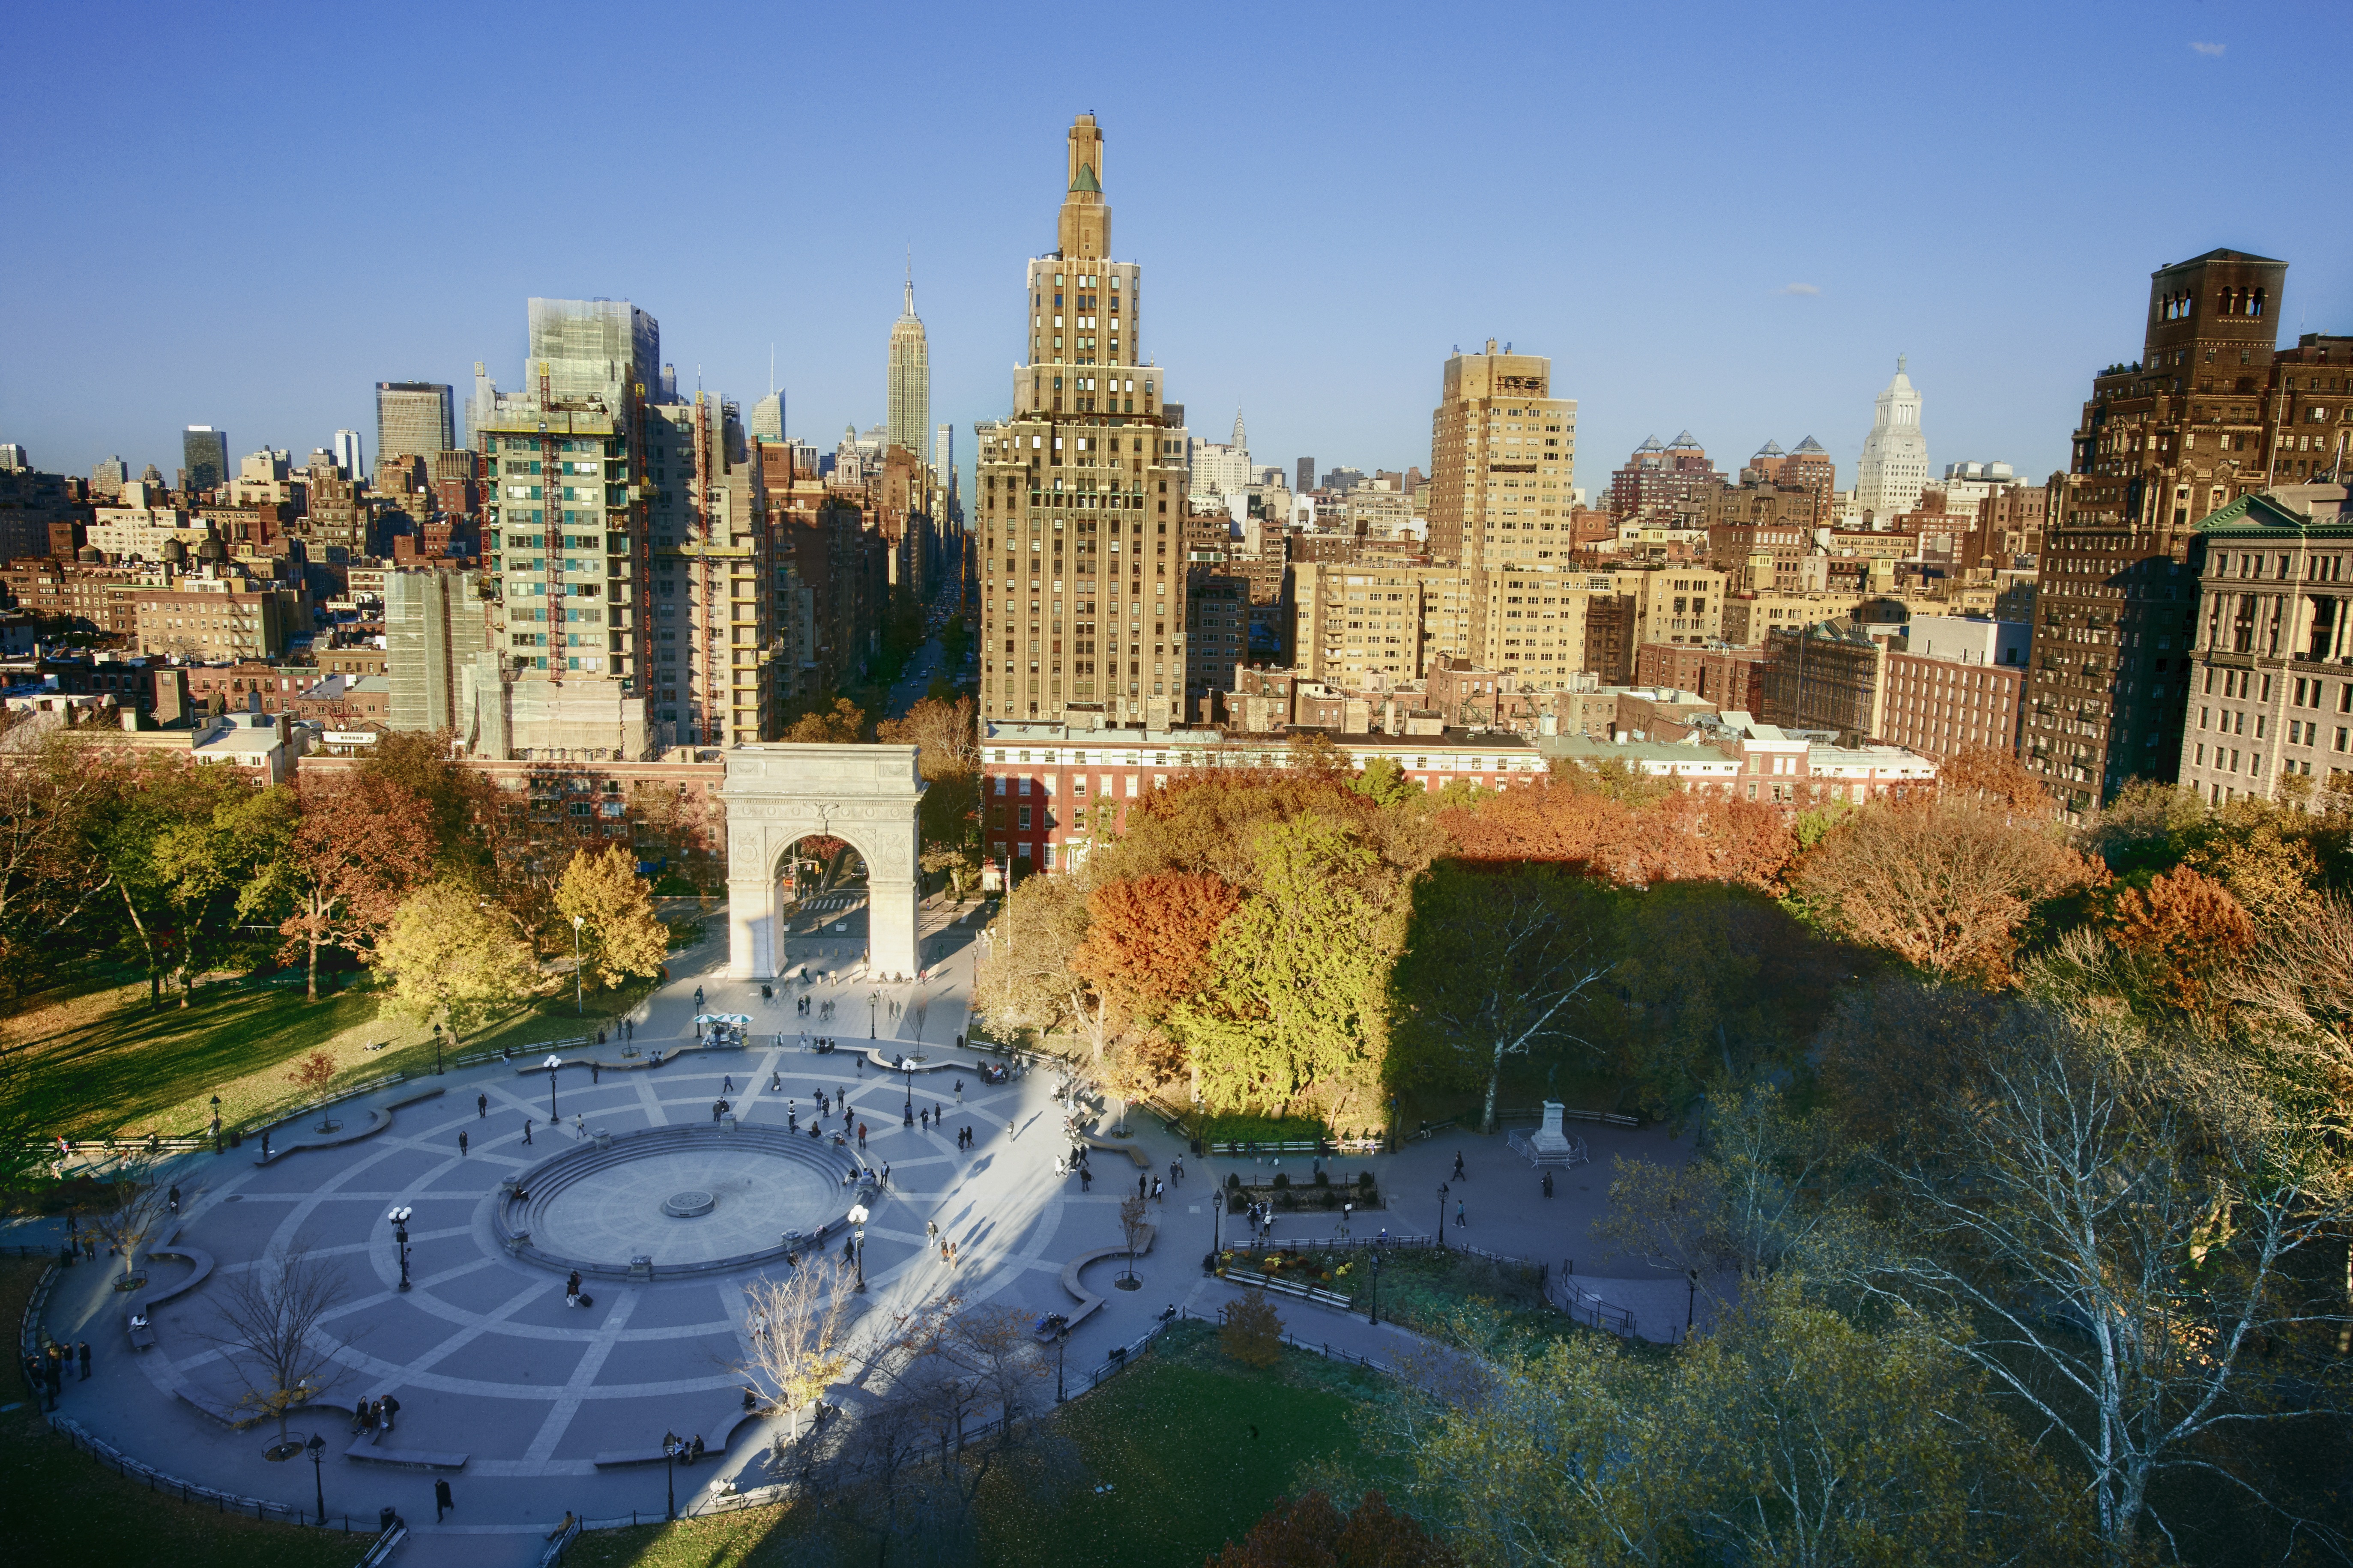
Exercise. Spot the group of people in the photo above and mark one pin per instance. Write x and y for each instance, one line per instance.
(47, 1370)
(372, 1418)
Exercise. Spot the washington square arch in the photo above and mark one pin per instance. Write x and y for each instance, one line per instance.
(867, 796)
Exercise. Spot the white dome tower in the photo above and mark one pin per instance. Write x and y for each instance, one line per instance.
(1894, 466)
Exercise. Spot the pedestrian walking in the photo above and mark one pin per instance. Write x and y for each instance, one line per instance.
(1156, 1189)
(391, 1408)
(265, 1145)
(1139, 1185)
(481, 1107)
(173, 1199)
(1547, 1184)
(442, 1501)
(461, 1144)
(886, 1173)
(1460, 1223)
(595, 1068)
(926, 1116)
(526, 1131)
(951, 1251)
(579, 1125)
(1457, 1165)
(82, 1353)
(959, 1094)
(776, 1080)
(1008, 1127)
(727, 1084)
(628, 1029)
(1086, 1180)
(861, 1136)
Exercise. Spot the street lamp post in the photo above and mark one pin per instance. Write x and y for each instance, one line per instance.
(216, 1130)
(578, 1007)
(436, 1050)
(1442, 1190)
(318, 1447)
(1375, 1315)
(1216, 1208)
(909, 1118)
(857, 1216)
(669, 1454)
(1691, 1300)
(873, 1001)
(551, 1064)
(399, 1218)
(1061, 1357)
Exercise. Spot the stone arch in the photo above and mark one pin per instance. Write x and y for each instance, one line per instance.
(868, 796)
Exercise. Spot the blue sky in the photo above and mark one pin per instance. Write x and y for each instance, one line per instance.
(1725, 217)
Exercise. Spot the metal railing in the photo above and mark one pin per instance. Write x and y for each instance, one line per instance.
(189, 1491)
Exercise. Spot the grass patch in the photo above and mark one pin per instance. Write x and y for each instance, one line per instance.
(62, 1506)
(96, 1061)
(1195, 1447)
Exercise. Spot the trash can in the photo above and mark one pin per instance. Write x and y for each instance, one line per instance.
(386, 1518)
(235, 1138)
(1196, 1147)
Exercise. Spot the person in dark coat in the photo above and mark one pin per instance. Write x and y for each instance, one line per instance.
(442, 1502)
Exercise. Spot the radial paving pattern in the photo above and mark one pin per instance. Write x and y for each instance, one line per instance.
(618, 1213)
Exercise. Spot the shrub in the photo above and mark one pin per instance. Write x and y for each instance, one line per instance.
(1323, 1177)
(1233, 1178)
(1281, 1180)
(1253, 1332)
(1331, 1199)
(1364, 1180)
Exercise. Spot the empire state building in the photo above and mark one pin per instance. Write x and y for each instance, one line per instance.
(1081, 564)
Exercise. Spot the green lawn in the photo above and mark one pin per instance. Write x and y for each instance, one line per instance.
(99, 1061)
(1194, 1448)
(63, 1507)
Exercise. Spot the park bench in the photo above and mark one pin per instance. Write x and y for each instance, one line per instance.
(1143, 1161)
(143, 1305)
(1312, 1294)
(1088, 1302)
(414, 1458)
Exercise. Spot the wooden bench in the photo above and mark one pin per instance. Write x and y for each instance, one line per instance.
(1143, 1161)
(1312, 1294)
(415, 1459)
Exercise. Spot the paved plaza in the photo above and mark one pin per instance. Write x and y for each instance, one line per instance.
(489, 1362)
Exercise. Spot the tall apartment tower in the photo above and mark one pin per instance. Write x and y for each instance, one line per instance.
(910, 380)
(203, 453)
(2201, 419)
(715, 615)
(415, 418)
(1081, 491)
(434, 629)
(348, 455)
(768, 418)
(1306, 466)
(1503, 453)
(1893, 468)
(565, 533)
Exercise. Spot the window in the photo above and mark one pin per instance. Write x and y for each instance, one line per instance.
(1023, 820)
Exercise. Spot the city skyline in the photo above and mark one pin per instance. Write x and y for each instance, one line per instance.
(1943, 167)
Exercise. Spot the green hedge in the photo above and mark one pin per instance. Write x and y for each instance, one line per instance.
(1263, 1129)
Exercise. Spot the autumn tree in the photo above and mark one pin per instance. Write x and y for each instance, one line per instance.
(1310, 1531)
(360, 841)
(947, 741)
(1300, 1003)
(213, 869)
(2261, 851)
(1994, 775)
(620, 934)
(452, 960)
(2186, 926)
(455, 801)
(313, 1076)
(1250, 1330)
(945, 735)
(1146, 947)
(1027, 977)
(795, 1349)
(57, 795)
(1497, 966)
(1943, 883)
(843, 724)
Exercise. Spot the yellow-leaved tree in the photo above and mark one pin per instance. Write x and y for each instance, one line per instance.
(453, 961)
(619, 935)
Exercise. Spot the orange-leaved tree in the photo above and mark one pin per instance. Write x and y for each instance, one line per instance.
(1942, 881)
(1311, 1531)
(2188, 927)
(361, 841)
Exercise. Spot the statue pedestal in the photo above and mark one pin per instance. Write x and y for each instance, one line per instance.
(1548, 1145)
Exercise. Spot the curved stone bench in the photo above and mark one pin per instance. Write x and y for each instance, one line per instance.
(416, 1458)
(512, 1222)
(1088, 1302)
(729, 1420)
(143, 1304)
(377, 1122)
(1143, 1161)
